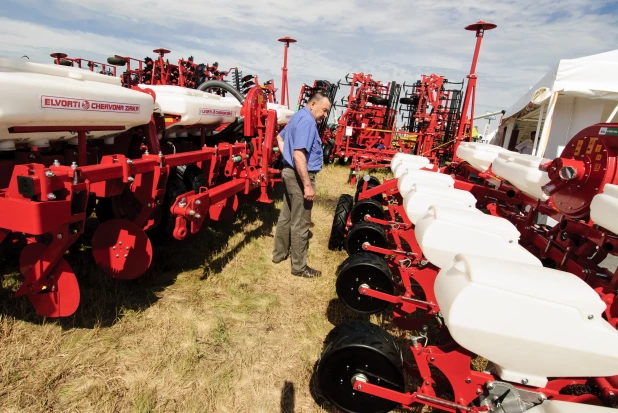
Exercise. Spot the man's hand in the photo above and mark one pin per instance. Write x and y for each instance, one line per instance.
(300, 160)
(309, 192)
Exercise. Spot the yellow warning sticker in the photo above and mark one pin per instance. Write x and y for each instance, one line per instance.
(578, 148)
(598, 157)
(597, 167)
(598, 148)
(590, 147)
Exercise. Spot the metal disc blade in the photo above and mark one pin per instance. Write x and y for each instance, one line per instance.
(62, 299)
(122, 249)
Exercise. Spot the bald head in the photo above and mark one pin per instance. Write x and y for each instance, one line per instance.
(319, 105)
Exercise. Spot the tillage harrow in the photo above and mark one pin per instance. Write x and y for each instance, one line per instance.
(501, 255)
(437, 116)
(157, 151)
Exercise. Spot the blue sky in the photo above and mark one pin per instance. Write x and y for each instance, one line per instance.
(392, 40)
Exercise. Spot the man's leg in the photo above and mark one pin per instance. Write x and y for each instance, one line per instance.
(282, 235)
(301, 220)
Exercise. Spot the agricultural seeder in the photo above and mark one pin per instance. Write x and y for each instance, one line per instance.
(151, 151)
(470, 248)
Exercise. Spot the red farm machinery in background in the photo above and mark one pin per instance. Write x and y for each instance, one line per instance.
(436, 117)
(157, 151)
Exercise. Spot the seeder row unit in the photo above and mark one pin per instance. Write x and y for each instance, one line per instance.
(505, 254)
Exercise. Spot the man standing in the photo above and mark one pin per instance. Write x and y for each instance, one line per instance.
(301, 147)
(527, 145)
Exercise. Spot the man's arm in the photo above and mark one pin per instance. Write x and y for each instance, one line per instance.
(300, 162)
(280, 144)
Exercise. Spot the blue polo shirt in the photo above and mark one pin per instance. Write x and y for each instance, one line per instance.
(301, 132)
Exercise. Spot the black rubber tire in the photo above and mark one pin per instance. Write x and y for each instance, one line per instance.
(116, 61)
(409, 101)
(326, 150)
(364, 268)
(377, 101)
(194, 178)
(337, 232)
(359, 347)
(372, 183)
(365, 232)
(174, 188)
(64, 62)
(364, 207)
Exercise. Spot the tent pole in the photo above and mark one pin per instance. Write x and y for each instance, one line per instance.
(538, 126)
(540, 151)
(612, 115)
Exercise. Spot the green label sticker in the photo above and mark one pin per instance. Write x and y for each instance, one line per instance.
(608, 131)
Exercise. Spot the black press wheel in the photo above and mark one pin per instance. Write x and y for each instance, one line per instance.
(364, 269)
(194, 178)
(174, 188)
(365, 207)
(337, 232)
(372, 183)
(409, 101)
(327, 148)
(377, 101)
(359, 349)
(116, 61)
(362, 233)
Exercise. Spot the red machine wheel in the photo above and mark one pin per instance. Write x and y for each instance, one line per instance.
(60, 297)
(122, 249)
(63, 298)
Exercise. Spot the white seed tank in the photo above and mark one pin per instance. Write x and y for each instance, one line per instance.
(283, 113)
(443, 232)
(47, 95)
(523, 172)
(531, 322)
(480, 155)
(604, 208)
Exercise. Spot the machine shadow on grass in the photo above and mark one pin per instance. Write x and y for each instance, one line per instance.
(104, 301)
(288, 397)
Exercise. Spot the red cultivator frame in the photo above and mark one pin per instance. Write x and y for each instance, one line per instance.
(146, 185)
(431, 111)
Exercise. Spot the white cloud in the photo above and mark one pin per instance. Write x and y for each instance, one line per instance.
(392, 40)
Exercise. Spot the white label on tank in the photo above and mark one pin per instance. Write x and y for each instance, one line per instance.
(57, 102)
(348, 131)
(215, 112)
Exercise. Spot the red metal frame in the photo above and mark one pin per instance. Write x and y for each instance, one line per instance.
(467, 384)
(90, 64)
(464, 132)
(285, 93)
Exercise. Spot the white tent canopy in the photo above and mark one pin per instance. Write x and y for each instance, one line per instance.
(583, 91)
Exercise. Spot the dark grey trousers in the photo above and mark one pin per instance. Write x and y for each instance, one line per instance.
(293, 226)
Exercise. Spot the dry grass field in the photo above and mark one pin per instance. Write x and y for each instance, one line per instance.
(213, 326)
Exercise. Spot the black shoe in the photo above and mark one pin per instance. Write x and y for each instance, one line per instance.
(309, 273)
